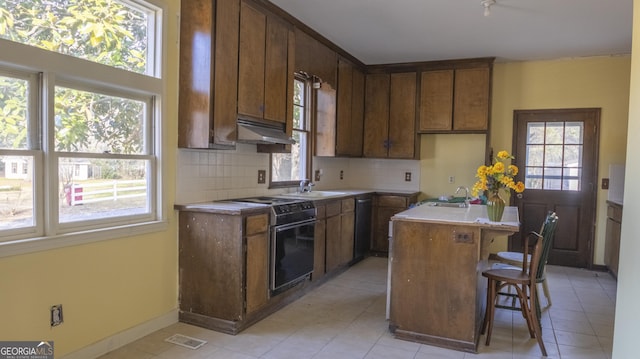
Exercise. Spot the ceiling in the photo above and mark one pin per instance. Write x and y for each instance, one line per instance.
(396, 31)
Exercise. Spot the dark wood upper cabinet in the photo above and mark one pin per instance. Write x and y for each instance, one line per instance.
(455, 100)
(350, 110)
(264, 66)
(471, 99)
(208, 73)
(390, 115)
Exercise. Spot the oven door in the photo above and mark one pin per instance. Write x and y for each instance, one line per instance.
(291, 254)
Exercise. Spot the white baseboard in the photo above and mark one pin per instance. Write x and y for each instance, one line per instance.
(125, 337)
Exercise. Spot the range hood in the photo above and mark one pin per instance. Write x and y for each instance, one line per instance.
(260, 133)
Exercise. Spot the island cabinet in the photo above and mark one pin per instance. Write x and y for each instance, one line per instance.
(390, 115)
(350, 110)
(339, 233)
(384, 207)
(612, 237)
(224, 269)
(265, 69)
(208, 83)
(455, 100)
(437, 292)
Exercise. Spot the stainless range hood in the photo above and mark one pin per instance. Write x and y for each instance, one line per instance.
(260, 133)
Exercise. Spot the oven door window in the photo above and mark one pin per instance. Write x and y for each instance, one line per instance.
(291, 253)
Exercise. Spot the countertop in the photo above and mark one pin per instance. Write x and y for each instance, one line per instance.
(229, 206)
(475, 214)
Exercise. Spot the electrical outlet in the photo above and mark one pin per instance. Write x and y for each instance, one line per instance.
(452, 179)
(262, 174)
(605, 183)
(316, 176)
(407, 176)
(56, 315)
(341, 174)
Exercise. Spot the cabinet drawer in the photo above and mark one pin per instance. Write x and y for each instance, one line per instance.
(615, 213)
(348, 205)
(392, 201)
(257, 224)
(334, 208)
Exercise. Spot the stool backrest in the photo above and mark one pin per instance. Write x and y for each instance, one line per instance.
(547, 232)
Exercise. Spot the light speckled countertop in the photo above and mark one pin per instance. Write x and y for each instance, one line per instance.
(473, 215)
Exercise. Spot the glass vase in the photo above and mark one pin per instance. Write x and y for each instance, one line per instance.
(495, 206)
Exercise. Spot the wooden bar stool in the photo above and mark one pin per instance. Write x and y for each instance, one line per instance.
(524, 282)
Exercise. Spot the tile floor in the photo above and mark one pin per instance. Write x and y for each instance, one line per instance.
(345, 318)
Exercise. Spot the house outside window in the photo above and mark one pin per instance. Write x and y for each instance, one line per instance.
(288, 169)
(81, 84)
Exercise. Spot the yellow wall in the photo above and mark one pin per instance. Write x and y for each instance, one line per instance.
(569, 83)
(444, 155)
(105, 287)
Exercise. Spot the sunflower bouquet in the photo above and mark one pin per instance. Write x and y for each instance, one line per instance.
(496, 176)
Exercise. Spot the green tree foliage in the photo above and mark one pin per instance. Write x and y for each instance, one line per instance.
(104, 31)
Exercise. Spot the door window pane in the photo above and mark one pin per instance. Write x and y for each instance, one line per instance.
(554, 161)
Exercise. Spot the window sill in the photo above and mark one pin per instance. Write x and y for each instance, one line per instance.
(32, 245)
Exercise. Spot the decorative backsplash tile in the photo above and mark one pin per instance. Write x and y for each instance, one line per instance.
(209, 175)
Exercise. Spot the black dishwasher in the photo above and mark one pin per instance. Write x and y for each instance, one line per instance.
(362, 238)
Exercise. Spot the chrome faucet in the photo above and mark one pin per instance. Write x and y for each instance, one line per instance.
(305, 186)
(467, 199)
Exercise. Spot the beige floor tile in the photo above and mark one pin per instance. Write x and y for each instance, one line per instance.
(345, 319)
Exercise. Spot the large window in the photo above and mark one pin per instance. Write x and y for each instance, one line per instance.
(80, 95)
(290, 168)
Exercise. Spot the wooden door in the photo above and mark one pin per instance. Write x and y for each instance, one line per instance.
(436, 100)
(333, 233)
(257, 262)
(319, 248)
(471, 99)
(402, 115)
(251, 66)
(557, 154)
(347, 233)
(376, 115)
(276, 71)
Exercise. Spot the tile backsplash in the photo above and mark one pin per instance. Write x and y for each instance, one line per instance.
(210, 175)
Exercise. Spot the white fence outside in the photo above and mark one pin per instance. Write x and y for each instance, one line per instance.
(95, 192)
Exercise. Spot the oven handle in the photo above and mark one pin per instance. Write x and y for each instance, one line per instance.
(284, 227)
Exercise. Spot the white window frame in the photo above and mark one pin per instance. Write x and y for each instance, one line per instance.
(44, 70)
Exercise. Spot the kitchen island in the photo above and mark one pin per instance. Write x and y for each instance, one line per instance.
(437, 292)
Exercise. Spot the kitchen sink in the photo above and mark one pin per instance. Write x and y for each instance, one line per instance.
(315, 194)
(447, 204)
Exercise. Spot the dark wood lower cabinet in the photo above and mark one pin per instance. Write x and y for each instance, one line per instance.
(386, 206)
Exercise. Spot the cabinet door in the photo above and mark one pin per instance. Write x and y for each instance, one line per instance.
(333, 239)
(402, 115)
(357, 113)
(471, 99)
(376, 115)
(257, 262)
(257, 271)
(276, 76)
(381, 228)
(251, 68)
(347, 224)
(344, 108)
(319, 249)
(196, 97)
(436, 100)
(225, 84)
(207, 114)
